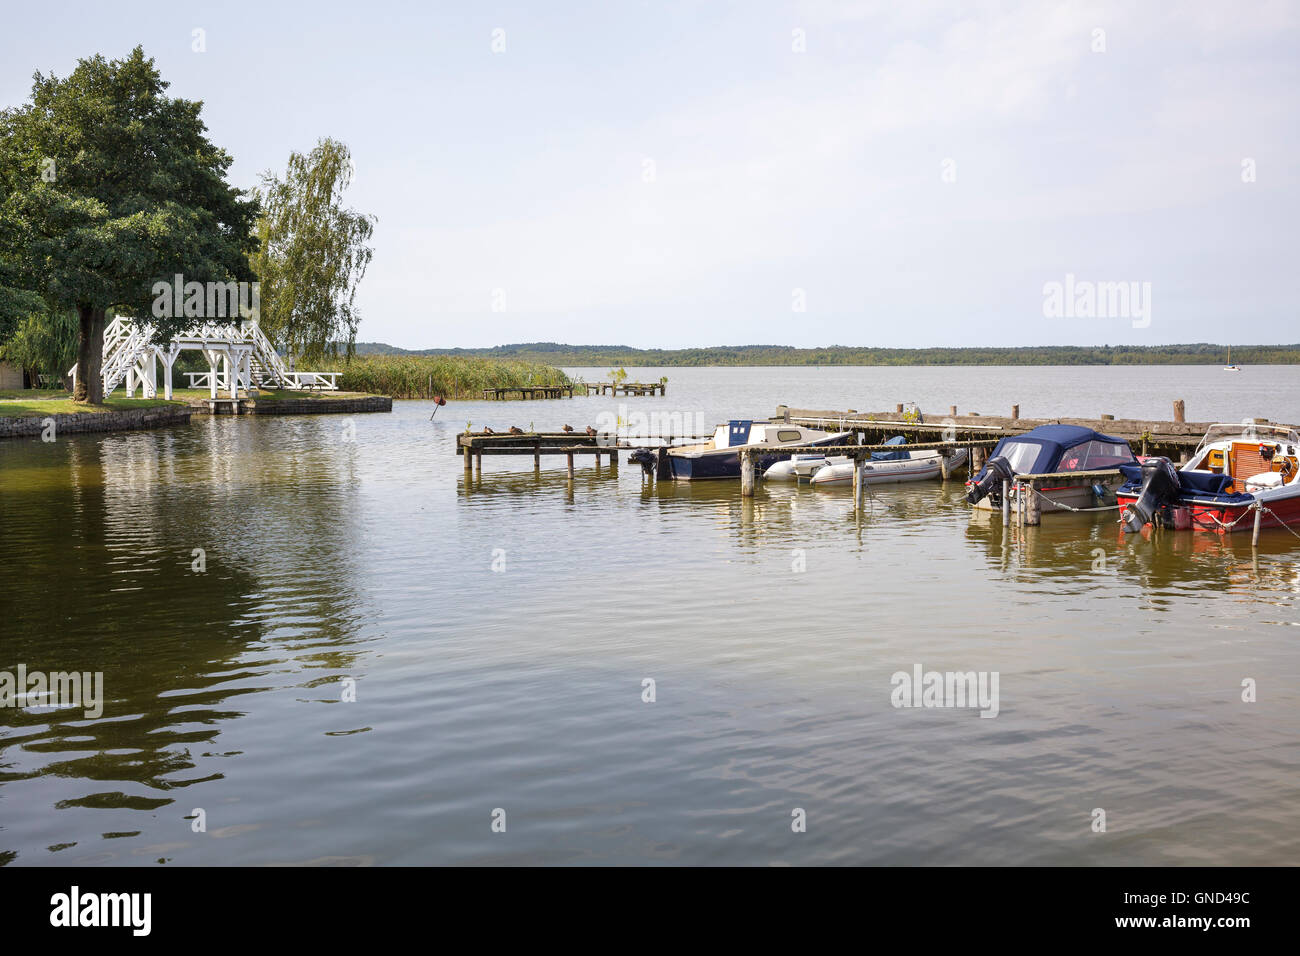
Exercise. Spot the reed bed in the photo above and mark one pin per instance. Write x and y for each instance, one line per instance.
(423, 376)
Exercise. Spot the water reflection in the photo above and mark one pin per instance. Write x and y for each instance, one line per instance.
(195, 570)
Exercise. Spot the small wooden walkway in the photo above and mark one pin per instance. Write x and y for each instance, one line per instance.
(626, 388)
(570, 444)
(528, 392)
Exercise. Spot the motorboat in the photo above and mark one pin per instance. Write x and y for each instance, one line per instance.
(1235, 471)
(889, 466)
(719, 457)
(1052, 449)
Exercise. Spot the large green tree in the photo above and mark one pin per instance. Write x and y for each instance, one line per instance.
(108, 185)
(312, 253)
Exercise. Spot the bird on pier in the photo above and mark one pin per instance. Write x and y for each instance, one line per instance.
(516, 430)
(488, 431)
(568, 428)
(591, 431)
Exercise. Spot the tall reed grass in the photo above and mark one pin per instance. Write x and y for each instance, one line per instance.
(421, 376)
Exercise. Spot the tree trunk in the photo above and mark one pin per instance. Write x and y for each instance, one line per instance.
(90, 356)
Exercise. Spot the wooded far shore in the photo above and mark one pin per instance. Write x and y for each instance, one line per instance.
(551, 353)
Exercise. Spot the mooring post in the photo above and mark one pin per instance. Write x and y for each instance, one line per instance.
(478, 462)
(1015, 411)
(976, 459)
(570, 466)
(746, 474)
(469, 463)
(857, 483)
(1180, 411)
(1033, 507)
(1006, 501)
(944, 469)
(1254, 538)
(537, 455)
(613, 463)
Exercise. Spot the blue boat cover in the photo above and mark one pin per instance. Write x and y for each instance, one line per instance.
(739, 432)
(1053, 442)
(891, 455)
(1196, 485)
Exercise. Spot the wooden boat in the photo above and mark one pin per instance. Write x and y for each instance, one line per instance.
(1234, 470)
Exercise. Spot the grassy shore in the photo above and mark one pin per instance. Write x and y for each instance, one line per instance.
(422, 376)
(61, 403)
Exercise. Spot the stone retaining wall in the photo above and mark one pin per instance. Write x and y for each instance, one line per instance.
(161, 416)
(321, 406)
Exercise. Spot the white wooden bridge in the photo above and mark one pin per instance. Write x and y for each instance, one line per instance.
(238, 354)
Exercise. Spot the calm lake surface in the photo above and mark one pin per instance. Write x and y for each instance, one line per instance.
(329, 560)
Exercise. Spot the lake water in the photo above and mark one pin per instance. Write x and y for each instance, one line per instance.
(337, 559)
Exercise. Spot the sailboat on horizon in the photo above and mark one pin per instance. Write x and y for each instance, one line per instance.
(1230, 367)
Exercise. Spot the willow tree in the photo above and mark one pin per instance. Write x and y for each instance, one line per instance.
(312, 253)
(107, 185)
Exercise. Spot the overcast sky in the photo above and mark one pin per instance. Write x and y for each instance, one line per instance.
(805, 173)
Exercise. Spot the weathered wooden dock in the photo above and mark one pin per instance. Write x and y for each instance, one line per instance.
(529, 392)
(1175, 439)
(626, 388)
(473, 446)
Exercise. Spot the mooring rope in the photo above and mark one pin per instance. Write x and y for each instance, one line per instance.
(1062, 504)
(1280, 519)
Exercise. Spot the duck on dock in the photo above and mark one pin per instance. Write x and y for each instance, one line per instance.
(591, 431)
(488, 431)
(568, 428)
(516, 430)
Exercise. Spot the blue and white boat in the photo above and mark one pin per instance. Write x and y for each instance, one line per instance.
(719, 457)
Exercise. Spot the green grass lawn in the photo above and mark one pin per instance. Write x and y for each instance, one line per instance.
(62, 404)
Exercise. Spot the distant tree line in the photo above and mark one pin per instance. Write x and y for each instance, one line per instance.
(1202, 353)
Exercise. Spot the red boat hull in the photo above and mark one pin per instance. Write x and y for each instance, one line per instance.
(1224, 519)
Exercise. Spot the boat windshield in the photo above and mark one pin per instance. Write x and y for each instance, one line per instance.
(1021, 455)
(1095, 455)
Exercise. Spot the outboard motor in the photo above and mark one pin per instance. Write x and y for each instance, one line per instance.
(645, 458)
(996, 471)
(1160, 484)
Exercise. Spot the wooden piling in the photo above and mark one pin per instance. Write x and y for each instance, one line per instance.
(1254, 537)
(469, 462)
(570, 460)
(1033, 506)
(952, 411)
(1180, 411)
(746, 474)
(1015, 411)
(857, 484)
(1006, 501)
(537, 455)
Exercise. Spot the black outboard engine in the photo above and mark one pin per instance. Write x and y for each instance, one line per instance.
(996, 471)
(645, 458)
(1160, 484)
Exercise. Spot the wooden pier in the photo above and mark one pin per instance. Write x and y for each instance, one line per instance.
(1175, 439)
(474, 446)
(527, 392)
(626, 388)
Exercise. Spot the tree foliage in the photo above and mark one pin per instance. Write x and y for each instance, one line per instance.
(312, 253)
(107, 185)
